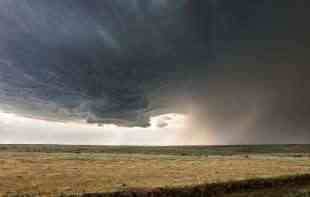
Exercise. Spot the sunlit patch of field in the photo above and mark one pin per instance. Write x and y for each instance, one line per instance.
(52, 174)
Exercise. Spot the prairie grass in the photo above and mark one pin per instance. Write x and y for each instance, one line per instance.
(55, 173)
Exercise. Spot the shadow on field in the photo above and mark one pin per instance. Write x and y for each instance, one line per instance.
(217, 189)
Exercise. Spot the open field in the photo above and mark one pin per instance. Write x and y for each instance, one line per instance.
(166, 150)
(55, 170)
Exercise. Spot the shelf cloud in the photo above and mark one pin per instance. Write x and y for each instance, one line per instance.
(238, 68)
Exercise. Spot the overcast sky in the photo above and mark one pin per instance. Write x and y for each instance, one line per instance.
(238, 68)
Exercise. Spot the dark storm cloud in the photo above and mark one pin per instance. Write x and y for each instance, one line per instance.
(256, 88)
(243, 65)
(95, 60)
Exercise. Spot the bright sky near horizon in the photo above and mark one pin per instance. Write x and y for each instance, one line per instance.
(165, 129)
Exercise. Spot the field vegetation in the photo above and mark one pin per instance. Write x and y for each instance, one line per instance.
(160, 150)
(236, 171)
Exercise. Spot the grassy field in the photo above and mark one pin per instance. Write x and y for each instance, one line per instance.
(166, 150)
(51, 170)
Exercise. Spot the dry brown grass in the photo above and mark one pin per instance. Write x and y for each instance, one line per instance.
(55, 173)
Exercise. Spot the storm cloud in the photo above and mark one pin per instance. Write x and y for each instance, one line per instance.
(238, 68)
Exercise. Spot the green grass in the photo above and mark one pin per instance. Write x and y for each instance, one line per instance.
(168, 150)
